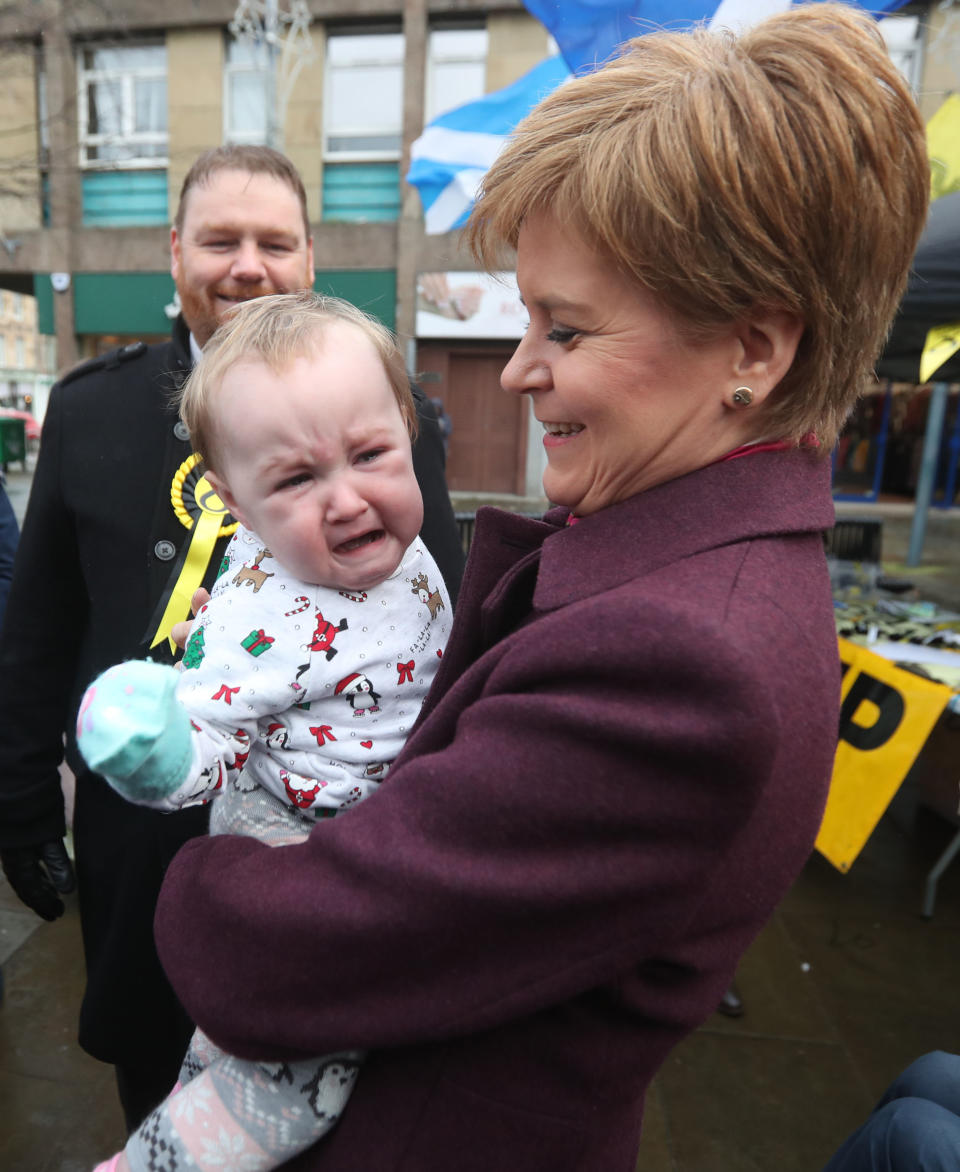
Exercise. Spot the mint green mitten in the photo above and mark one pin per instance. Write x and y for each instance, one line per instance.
(132, 729)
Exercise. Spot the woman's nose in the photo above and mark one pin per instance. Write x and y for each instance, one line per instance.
(525, 371)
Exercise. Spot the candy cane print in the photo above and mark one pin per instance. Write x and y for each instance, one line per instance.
(300, 598)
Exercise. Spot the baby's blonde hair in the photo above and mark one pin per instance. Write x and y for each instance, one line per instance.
(278, 329)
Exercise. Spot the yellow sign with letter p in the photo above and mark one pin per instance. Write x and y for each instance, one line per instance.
(886, 715)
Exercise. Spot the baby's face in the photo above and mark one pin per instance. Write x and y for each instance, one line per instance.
(316, 461)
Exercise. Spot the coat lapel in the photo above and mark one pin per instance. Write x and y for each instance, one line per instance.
(498, 583)
(755, 496)
(513, 557)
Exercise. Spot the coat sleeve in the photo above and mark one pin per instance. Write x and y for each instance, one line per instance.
(565, 832)
(39, 648)
(9, 536)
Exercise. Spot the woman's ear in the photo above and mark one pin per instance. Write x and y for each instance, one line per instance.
(766, 345)
(222, 489)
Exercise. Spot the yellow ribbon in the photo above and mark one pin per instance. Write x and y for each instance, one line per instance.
(200, 510)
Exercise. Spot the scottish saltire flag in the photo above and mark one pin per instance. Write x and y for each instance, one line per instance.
(588, 31)
(449, 160)
(455, 151)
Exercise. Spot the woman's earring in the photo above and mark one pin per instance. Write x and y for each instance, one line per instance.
(742, 397)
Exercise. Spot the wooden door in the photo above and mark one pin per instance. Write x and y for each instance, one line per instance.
(487, 449)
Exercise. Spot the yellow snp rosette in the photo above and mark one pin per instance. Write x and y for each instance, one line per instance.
(200, 510)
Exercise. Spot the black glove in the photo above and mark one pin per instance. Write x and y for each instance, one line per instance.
(37, 873)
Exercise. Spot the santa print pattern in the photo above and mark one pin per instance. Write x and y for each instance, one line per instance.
(324, 684)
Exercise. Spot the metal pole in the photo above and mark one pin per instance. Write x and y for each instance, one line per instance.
(410, 223)
(880, 454)
(271, 37)
(928, 470)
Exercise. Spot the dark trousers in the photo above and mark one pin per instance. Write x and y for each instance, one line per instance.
(142, 1088)
(916, 1125)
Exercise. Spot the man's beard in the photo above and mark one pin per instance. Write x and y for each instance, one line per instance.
(200, 311)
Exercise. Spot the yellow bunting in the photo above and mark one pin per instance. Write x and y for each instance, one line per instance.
(943, 147)
(886, 716)
(200, 510)
(942, 342)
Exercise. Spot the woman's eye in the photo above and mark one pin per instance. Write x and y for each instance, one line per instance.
(561, 334)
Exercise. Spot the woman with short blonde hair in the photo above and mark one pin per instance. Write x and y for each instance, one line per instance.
(624, 758)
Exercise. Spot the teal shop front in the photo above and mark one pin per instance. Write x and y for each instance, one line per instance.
(135, 304)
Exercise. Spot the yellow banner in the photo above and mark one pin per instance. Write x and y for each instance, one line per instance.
(941, 343)
(943, 147)
(886, 715)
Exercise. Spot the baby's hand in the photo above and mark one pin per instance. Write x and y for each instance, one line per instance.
(132, 729)
(180, 632)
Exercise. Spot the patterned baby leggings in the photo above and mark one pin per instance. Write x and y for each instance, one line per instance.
(230, 1113)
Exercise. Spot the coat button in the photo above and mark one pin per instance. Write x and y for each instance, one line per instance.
(180, 430)
(165, 550)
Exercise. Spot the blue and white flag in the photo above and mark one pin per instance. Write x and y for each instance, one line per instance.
(456, 150)
(449, 160)
(589, 31)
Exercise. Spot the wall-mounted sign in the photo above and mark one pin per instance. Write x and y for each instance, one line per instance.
(469, 305)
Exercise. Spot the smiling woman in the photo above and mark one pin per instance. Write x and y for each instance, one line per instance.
(622, 763)
(617, 383)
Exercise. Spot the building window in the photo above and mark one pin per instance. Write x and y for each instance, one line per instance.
(124, 199)
(364, 97)
(21, 354)
(18, 306)
(456, 69)
(246, 83)
(363, 111)
(123, 105)
(3, 350)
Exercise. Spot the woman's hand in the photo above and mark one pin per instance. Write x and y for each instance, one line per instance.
(180, 632)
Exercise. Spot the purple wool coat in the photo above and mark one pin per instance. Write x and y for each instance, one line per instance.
(620, 771)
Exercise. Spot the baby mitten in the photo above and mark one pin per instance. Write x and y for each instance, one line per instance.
(132, 729)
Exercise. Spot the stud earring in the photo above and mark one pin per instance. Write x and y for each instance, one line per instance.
(742, 397)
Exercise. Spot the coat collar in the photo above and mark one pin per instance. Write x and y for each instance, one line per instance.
(180, 338)
(760, 495)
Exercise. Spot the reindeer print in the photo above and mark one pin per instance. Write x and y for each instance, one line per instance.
(433, 598)
(253, 573)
